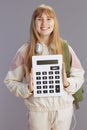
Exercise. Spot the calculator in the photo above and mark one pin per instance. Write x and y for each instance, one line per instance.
(47, 75)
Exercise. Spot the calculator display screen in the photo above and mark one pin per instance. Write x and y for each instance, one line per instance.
(45, 62)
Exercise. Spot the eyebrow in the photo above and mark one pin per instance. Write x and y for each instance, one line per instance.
(42, 17)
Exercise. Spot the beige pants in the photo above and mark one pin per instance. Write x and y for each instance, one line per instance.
(52, 120)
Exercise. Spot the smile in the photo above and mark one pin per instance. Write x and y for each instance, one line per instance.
(43, 28)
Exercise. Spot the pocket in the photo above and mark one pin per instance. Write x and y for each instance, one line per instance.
(68, 98)
(65, 114)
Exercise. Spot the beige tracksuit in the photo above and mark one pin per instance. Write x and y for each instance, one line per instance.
(45, 112)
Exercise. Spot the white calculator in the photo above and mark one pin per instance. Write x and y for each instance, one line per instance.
(47, 74)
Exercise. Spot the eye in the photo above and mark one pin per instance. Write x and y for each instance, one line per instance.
(39, 19)
(49, 19)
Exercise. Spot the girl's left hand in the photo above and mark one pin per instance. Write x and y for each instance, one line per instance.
(64, 76)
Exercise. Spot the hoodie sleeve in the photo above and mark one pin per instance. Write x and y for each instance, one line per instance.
(76, 78)
(15, 76)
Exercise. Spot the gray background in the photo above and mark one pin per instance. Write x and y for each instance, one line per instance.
(15, 16)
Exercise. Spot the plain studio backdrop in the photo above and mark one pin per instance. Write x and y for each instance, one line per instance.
(15, 17)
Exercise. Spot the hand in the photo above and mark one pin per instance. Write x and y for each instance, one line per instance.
(31, 82)
(64, 76)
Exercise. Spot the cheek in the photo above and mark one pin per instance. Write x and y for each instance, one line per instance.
(52, 26)
(37, 26)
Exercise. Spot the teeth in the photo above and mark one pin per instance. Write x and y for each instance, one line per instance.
(44, 28)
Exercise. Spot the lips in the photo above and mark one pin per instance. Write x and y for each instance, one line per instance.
(44, 28)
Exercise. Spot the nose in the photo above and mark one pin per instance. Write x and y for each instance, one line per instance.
(44, 21)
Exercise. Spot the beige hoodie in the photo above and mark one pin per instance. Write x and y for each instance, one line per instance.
(17, 80)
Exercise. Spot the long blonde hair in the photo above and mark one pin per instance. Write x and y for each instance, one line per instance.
(34, 36)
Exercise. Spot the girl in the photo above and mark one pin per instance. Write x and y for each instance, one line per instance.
(45, 113)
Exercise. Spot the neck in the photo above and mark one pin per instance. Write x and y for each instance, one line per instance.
(45, 40)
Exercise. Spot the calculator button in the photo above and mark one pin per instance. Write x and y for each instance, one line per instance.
(44, 77)
(57, 72)
(57, 88)
(38, 78)
(57, 77)
(44, 82)
(45, 91)
(51, 91)
(50, 77)
(38, 87)
(54, 67)
(38, 82)
(50, 72)
(50, 82)
(45, 86)
(57, 81)
(38, 73)
(44, 72)
(39, 91)
(51, 86)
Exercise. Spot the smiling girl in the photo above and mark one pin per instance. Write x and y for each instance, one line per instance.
(45, 113)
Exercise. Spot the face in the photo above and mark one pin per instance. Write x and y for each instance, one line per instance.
(44, 25)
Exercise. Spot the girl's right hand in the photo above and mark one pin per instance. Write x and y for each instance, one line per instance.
(31, 82)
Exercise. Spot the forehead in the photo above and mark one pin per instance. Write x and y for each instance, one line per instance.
(43, 15)
(44, 11)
